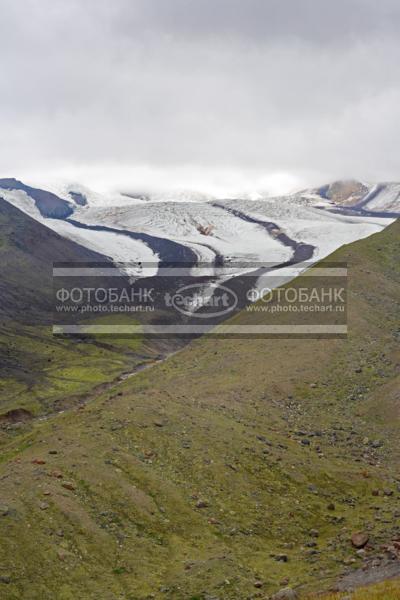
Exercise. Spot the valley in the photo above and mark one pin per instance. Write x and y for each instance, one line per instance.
(232, 469)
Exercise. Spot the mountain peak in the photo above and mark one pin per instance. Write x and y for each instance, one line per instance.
(345, 191)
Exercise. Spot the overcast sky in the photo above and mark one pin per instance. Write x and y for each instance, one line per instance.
(211, 94)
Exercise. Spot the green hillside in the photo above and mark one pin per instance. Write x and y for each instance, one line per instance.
(229, 471)
(39, 373)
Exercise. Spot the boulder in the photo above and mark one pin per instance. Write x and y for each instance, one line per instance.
(359, 539)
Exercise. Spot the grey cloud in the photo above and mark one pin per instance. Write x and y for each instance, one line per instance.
(317, 22)
(304, 87)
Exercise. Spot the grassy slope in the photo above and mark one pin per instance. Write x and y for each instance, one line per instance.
(37, 371)
(40, 373)
(140, 457)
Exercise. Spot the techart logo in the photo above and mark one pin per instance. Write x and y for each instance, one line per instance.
(203, 302)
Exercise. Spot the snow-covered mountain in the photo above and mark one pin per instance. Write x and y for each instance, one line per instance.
(199, 229)
(355, 194)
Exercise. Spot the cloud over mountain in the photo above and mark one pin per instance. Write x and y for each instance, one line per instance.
(183, 91)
